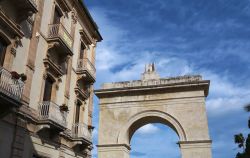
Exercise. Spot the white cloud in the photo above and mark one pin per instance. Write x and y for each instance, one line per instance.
(221, 105)
(107, 58)
(225, 95)
(111, 55)
(115, 64)
(148, 129)
(108, 29)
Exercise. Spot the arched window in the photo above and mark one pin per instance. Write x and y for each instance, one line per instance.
(3, 46)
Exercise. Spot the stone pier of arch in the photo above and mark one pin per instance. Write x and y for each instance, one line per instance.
(177, 102)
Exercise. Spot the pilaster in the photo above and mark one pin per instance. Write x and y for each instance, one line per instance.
(30, 66)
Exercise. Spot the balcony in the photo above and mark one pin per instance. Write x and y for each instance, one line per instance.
(11, 25)
(50, 114)
(11, 22)
(86, 69)
(82, 93)
(81, 133)
(59, 37)
(11, 89)
(25, 8)
(52, 67)
(29, 5)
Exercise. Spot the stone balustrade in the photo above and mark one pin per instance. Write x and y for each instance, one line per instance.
(80, 130)
(59, 31)
(85, 65)
(49, 111)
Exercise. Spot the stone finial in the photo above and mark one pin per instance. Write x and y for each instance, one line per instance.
(150, 73)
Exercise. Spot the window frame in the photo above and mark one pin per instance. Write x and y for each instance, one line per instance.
(3, 52)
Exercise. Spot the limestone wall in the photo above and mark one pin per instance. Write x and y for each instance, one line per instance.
(177, 102)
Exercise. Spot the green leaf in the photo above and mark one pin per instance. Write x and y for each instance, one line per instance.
(239, 138)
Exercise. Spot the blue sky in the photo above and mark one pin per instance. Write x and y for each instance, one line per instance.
(183, 37)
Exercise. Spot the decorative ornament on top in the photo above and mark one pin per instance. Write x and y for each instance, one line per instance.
(150, 72)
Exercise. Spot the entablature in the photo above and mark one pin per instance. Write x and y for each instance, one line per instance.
(182, 83)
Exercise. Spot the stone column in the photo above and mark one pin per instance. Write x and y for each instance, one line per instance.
(196, 149)
(113, 151)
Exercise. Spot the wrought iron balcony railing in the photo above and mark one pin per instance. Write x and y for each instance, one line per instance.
(85, 65)
(10, 86)
(49, 111)
(58, 31)
(81, 131)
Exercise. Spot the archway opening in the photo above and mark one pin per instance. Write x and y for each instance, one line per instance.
(149, 117)
(154, 134)
(154, 140)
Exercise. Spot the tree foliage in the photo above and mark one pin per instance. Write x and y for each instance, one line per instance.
(247, 108)
(242, 142)
(239, 139)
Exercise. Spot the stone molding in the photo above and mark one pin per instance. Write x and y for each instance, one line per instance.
(151, 102)
(195, 142)
(169, 120)
(183, 83)
(114, 146)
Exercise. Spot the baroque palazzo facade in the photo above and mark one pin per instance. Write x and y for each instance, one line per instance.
(47, 72)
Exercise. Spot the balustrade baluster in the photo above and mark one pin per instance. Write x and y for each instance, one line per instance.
(50, 110)
(58, 30)
(85, 64)
(80, 130)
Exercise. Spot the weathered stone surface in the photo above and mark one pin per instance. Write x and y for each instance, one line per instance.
(176, 102)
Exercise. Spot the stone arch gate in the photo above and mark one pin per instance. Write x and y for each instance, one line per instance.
(176, 102)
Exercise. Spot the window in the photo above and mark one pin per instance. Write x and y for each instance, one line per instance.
(48, 89)
(77, 117)
(57, 16)
(3, 46)
(82, 50)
